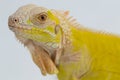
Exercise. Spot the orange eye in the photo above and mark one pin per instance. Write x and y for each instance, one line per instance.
(42, 17)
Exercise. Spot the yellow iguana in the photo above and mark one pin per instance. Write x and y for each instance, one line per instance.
(59, 45)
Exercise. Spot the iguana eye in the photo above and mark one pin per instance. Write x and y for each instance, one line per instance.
(39, 19)
(42, 17)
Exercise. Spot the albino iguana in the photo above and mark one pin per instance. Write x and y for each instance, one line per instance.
(59, 45)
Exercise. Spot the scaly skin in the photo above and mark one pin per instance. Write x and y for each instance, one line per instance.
(59, 46)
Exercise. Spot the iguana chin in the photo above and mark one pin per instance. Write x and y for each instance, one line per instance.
(59, 45)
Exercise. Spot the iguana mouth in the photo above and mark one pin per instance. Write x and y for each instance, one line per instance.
(20, 27)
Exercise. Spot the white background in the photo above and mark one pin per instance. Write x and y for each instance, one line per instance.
(15, 60)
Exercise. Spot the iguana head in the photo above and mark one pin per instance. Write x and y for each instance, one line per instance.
(36, 23)
(39, 25)
(42, 26)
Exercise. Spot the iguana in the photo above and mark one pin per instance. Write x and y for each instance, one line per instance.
(59, 45)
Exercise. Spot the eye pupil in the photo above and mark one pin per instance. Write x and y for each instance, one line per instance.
(42, 17)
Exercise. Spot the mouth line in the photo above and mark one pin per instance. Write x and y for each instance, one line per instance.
(19, 27)
(24, 29)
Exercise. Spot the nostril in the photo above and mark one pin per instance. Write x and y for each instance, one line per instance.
(12, 21)
(15, 20)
